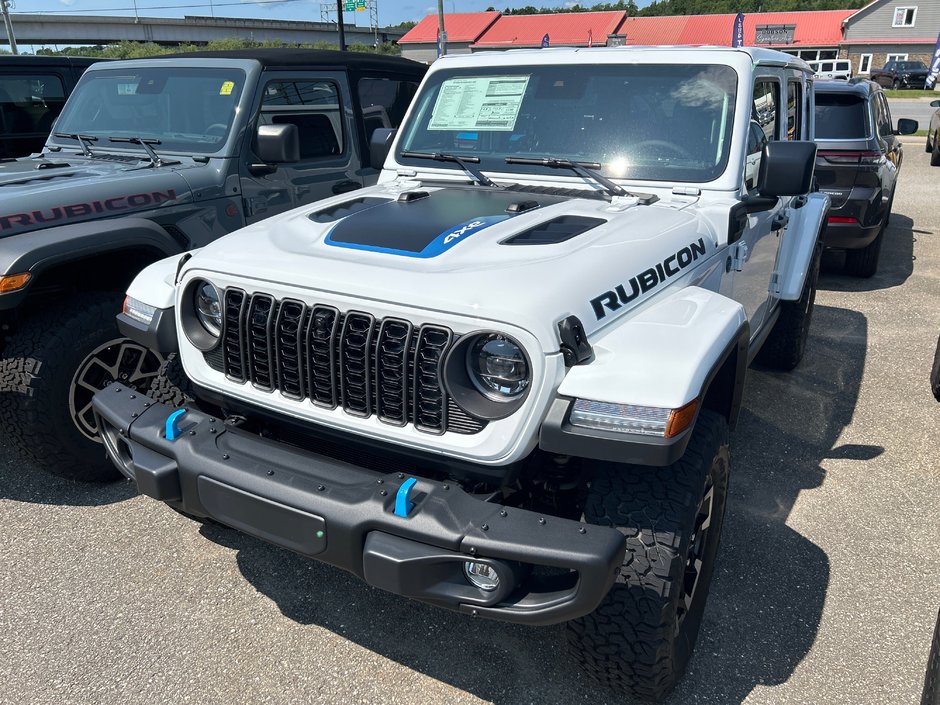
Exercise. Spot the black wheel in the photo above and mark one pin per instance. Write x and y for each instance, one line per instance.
(786, 343)
(935, 373)
(639, 640)
(931, 692)
(927, 146)
(935, 154)
(863, 262)
(49, 371)
(896, 85)
(171, 386)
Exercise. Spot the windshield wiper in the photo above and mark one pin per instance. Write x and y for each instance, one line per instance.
(81, 139)
(465, 162)
(145, 143)
(586, 169)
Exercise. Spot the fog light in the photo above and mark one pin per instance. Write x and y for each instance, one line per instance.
(482, 575)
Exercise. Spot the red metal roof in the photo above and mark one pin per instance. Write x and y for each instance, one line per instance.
(460, 27)
(563, 29)
(822, 28)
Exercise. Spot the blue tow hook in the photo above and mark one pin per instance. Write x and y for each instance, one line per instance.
(173, 424)
(403, 503)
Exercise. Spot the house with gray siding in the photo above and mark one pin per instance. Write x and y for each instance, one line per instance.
(885, 30)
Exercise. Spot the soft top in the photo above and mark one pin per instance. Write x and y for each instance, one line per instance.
(307, 57)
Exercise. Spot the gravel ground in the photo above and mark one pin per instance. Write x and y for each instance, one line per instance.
(826, 590)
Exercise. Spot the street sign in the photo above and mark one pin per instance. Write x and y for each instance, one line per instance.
(355, 5)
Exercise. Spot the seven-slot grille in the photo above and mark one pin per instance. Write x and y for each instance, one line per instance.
(385, 367)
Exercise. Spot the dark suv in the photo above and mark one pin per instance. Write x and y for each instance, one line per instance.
(901, 74)
(33, 90)
(857, 166)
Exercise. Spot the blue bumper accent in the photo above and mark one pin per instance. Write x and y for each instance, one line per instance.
(403, 505)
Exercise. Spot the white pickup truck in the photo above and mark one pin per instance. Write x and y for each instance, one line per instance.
(502, 380)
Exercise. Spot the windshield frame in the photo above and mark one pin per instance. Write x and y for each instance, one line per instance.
(243, 71)
(493, 161)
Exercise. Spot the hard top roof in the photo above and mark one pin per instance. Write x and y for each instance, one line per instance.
(307, 57)
(858, 86)
(19, 60)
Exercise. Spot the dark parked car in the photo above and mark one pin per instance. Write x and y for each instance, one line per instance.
(857, 166)
(901, 74)
(933, 135)
(33, 90)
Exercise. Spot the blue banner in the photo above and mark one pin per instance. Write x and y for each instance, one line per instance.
(934, 67)
(545, 41)
(737, 38)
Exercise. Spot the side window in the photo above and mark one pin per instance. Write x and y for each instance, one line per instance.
(886, 127)
(30, 103)
(314, 107)
(763, 126)
(384, 102)
(794, 110)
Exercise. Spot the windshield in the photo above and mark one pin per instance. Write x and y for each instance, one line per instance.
(188, 109)
(662, 122)
(841, 116)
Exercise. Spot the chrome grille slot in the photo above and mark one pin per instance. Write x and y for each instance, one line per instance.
(261, 311)
(430, 405)
(233, 342)
(289, 348)
(391, 371)
(355, 363)
(321, 356)
(387, 367)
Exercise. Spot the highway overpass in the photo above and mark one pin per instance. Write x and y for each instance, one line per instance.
(50, 30)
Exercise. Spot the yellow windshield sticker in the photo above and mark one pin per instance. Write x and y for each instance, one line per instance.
(227, 88)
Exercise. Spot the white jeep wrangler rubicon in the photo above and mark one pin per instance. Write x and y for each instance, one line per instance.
(502, 380)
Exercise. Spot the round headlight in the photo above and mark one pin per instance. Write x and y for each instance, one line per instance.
(497, 367)
(208, 307)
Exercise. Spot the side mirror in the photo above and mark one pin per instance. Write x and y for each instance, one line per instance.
(379, 145)
(906, 127)
(935, 104)
(278, 144)
(786, 169)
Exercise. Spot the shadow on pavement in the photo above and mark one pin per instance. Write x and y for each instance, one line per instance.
(894, 267)
(765, 605)
(26, 482)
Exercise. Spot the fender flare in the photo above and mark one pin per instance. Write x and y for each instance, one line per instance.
(798, 244)
(35, 252)
(697, 340)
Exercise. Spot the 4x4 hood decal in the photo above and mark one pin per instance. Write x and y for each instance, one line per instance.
(426, 224)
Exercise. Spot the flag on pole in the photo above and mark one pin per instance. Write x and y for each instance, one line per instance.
(545, 41)
(737, 38)
(934, 67)
(590, 39)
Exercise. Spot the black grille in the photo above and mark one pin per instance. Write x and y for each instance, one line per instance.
(383, 367)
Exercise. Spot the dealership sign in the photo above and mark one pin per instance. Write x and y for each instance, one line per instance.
(774, 34)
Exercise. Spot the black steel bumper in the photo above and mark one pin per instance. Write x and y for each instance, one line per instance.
(346, 516)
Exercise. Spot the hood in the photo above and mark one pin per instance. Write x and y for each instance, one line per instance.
(522, 257)
(59, 189)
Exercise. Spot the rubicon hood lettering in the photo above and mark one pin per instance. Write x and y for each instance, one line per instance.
(623, 294)
(80, 210)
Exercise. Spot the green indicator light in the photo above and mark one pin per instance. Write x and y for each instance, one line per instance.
(320, 534)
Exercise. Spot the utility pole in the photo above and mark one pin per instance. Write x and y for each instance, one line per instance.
(9, 25)
(440, 27)
(339, 24)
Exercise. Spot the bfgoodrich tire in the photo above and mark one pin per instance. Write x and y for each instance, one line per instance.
(786, 343)
(49, 371)
(171, 386)
(639, 640)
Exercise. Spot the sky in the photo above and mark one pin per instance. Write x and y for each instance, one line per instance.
(391, 12)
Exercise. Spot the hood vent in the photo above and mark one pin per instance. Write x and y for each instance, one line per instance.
(563, 192)
(40, 179)
(341, 210)
(551, 232)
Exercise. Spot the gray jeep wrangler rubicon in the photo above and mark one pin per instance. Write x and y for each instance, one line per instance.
(150, 158)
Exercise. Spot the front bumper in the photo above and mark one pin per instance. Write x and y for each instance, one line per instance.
(346, 516)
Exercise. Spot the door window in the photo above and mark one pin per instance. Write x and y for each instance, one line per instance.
(384, 102)
(30, 103)
(764, 108)
(314, 107)
(794, 110)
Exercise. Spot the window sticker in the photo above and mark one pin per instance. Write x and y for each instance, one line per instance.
(127, 88)
(484, 103)
(227, 88)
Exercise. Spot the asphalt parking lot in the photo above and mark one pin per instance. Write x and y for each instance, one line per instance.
(827, 587)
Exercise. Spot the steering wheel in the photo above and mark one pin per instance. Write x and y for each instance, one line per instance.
(220, 127)
(663, 144)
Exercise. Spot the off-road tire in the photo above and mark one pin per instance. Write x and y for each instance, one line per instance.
(634, 641)
(171, 386)
(786, 343)
(37, 369)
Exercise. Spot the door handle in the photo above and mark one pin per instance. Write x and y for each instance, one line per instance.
(346, 187)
